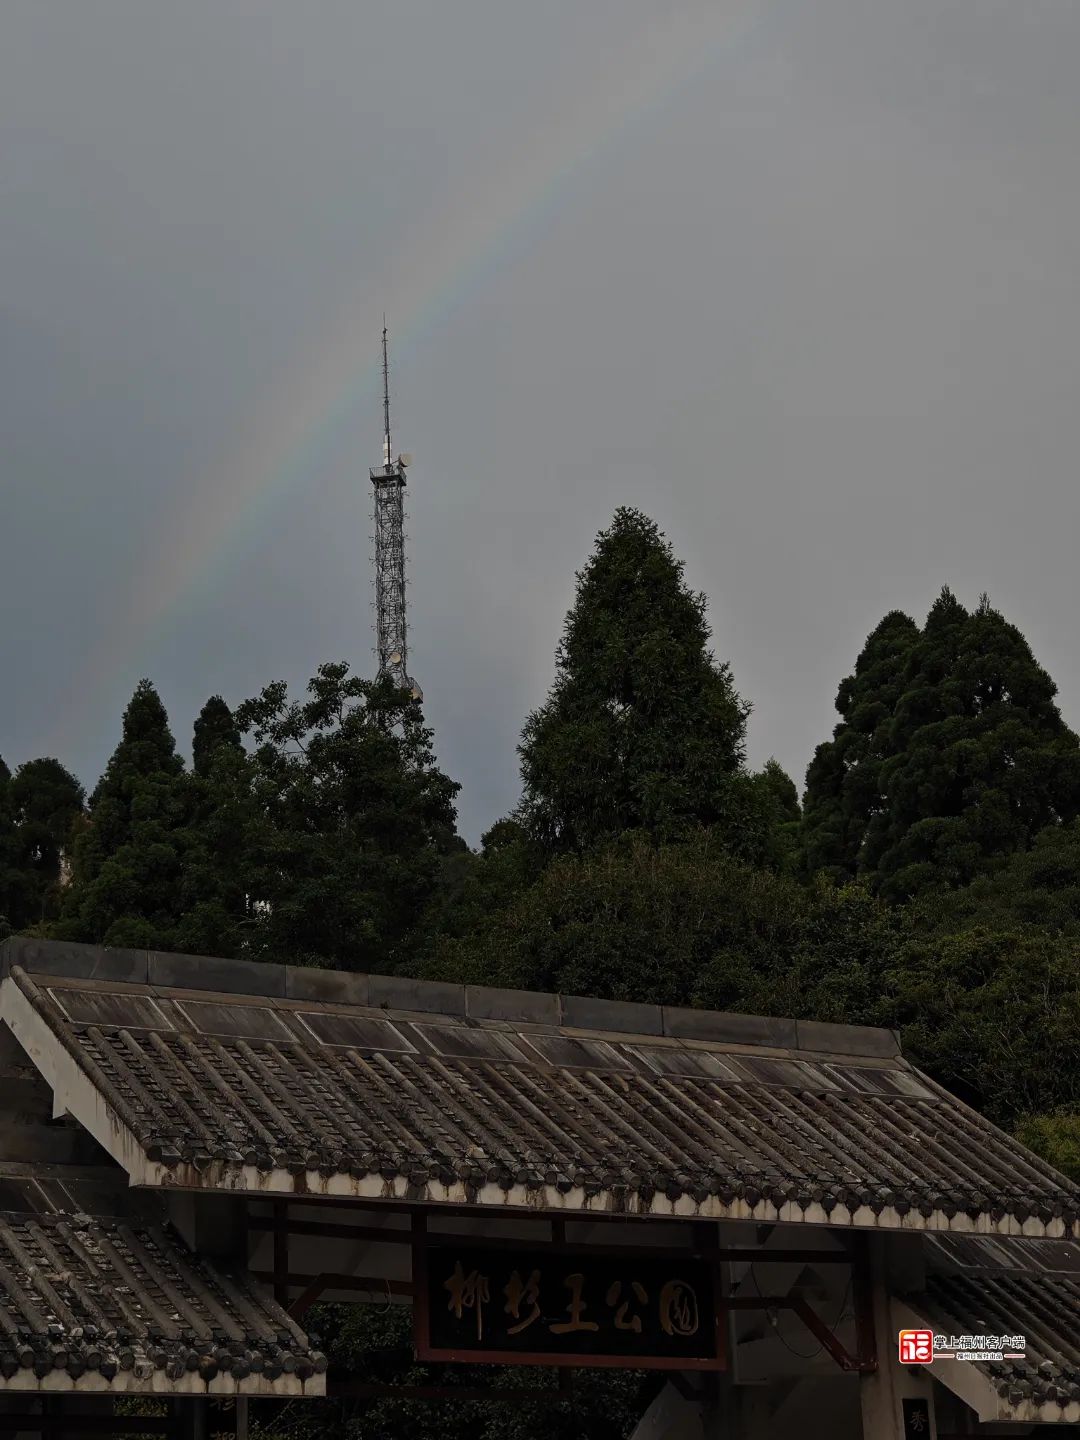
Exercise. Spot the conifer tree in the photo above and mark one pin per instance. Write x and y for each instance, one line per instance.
(642, 729)
(843, 783)
(779, 800)
(223, 823)
(215, 727)
(138, 779)
(951, 755)
(127, 873)
(982, 760)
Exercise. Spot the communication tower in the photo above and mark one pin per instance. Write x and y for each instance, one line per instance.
(388, 481)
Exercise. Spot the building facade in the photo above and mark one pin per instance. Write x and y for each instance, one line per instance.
(755, 1208)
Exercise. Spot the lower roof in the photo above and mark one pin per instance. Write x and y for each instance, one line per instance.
(115, 1303)
(491, 1098)
(995, 1287)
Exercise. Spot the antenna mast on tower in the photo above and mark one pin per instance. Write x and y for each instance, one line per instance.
(388, 481)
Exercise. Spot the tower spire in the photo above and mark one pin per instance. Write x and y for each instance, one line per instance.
(388, 481)
(387, 449)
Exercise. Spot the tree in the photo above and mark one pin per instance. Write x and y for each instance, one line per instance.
(43, 802)
(1035, 890)
(128, 863)
(951, 756)
(779, 801)
(982, 760)
(994, 1016)
(215, 728)
(642, 728)
(145, 760)
(473, 886)
(683, 924)
(222, 855)
(353, 819)
(843, 782)
(1056, 1137)
(7, 850)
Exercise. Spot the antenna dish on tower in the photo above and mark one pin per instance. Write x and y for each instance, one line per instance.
(405, 460)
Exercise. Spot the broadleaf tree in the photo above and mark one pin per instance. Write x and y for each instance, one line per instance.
(353, 819)
(44, 802)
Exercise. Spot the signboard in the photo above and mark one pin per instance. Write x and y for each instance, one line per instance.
(552, 1307)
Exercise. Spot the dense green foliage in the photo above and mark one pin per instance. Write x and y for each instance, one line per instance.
(322, 844)
(1037, 888)
(678, 924)
(930, 881)
(994, 1015)
(352, 817)
(950, 756)
(39, 805)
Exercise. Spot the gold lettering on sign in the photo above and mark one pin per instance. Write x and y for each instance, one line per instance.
(575, 1284)
(517, 1290)
(612, 1298)
(678, 1309)
(468, 1292)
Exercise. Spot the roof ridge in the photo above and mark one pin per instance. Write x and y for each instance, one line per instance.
(169, 970)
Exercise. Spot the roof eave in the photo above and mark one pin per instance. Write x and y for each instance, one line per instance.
(82, 1095)
(134, 1382)
(552, 1199)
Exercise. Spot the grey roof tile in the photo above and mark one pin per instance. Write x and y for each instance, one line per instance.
(1041, 1306)
(118, 1296)
(381, 1092)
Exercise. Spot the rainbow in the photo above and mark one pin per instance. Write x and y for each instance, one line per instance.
(282, 440)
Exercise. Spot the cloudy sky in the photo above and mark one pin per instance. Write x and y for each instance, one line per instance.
(800, 280)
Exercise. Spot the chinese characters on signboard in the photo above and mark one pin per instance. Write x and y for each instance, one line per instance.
(512, 1304)
(917, 1419)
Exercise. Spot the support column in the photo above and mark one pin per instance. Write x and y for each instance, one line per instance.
(897, 1400)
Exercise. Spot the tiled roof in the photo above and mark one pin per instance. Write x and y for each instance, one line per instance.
(495, 1097)
(997, 1287)
(118, 1303)
(1012, 1255)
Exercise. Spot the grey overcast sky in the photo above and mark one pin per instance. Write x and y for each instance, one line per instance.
(799, 279)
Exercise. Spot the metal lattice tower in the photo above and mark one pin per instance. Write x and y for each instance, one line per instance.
(388, 481)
